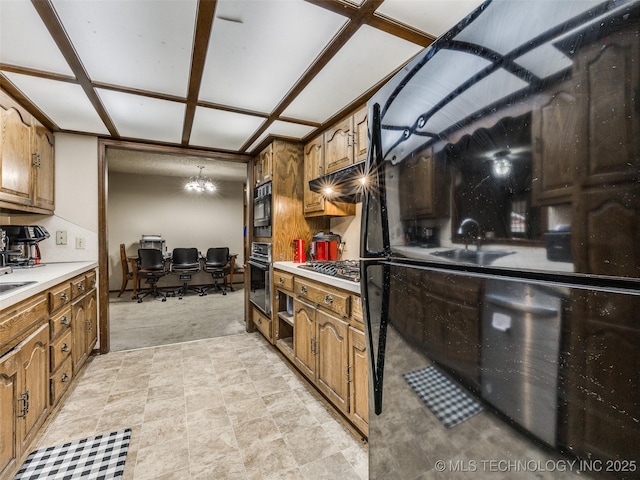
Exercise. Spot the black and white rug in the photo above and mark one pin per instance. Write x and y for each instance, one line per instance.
(449, 403)
(96, 458)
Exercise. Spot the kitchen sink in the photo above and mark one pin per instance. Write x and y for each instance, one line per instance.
(477, 257)
(8, 287)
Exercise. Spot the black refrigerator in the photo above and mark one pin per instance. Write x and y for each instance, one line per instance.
(500, 254)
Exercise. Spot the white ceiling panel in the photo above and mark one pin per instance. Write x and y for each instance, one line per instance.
(434, 17)
(258, 49)
(136, 116)
(283, 129)
(30, 47)
(221, 129)
(64, 103)
(139, 44)
(366, 59)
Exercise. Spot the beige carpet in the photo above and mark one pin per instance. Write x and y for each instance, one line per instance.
(153, 322)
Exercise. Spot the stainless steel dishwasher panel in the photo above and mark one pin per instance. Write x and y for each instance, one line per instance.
(519, 356)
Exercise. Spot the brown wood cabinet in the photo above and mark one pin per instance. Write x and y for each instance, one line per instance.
(263, 166)
(26, 160)
(42, 346)
(328, 344)
(346, 142)
(24, 398)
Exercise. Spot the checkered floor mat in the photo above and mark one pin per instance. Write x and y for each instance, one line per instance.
(96, 458)
(449, 403)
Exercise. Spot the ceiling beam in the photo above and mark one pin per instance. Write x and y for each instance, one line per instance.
(54, 25)
(357, 18)
(204, 24)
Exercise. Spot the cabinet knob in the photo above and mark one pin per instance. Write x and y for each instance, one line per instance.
(64, 297)
(303, 289)
(81, 286)
(64, 347)
(281, 281)
(65, 378)
(328, 299)
(65, 321)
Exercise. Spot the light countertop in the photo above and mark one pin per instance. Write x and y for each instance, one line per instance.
(292, 267)
(46, 276)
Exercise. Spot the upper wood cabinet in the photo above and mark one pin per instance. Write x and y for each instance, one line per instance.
(346, 142)
(26, 160)
(263, 167)
(313, 168)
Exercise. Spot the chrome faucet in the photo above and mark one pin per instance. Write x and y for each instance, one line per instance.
(466, 228)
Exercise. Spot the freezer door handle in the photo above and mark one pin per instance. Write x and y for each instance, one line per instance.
(537, 310)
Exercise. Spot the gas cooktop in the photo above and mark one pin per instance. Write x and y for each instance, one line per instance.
(345, 269)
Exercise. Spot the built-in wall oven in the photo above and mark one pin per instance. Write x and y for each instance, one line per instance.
(262, 211)
(260, 276)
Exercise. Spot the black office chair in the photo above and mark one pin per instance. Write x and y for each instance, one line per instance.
(218, 264)
(151, 268)
(185, 262)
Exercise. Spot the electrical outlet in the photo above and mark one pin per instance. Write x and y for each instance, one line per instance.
(61, 237)
(79, 242)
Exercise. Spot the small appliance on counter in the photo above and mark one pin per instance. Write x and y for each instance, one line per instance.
(299, 255)
(325, 246)
(154, 241)
(4, 268)
(23, 250)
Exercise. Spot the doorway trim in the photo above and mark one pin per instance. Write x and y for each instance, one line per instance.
(103, 192)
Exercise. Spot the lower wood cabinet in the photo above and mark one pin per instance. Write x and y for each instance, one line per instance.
(44, 341)
(24, 397)
(329, 346)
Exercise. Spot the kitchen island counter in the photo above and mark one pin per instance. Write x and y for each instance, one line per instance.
(44, 277)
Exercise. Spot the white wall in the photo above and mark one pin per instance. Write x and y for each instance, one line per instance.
(76, 197)
(158, 205)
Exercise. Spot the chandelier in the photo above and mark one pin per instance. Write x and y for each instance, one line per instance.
(200, 183)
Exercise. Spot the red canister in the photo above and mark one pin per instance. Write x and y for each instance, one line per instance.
(298, 251)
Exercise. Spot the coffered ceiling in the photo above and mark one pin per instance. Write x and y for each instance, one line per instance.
(219, 76)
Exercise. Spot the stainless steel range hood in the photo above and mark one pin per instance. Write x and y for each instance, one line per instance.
(344, 185)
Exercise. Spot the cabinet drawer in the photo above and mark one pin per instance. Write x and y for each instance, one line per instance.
(18, 319)
(60, 322)
(60, 350)
(329, 299)
(283, 280)
(59, 296)
(60, 380)
(78, 286)
(262, 323)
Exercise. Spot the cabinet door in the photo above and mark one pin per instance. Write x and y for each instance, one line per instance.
(34, 366)
(9, 392)
(79, 326)
(333, 355)
(16, 177)
(358, 380)
(304, 341)
(91, 312)
(313, 168)
(338, 142)
(559, 145)
(361, 142)
(44, 172)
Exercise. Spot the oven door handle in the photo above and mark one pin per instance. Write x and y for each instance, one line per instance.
(262, 266)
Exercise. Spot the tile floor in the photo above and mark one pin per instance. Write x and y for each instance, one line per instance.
(223, 408)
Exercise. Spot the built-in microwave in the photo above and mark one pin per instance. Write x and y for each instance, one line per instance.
(262, 210)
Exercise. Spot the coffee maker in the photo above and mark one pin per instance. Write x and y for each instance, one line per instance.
(22, 250)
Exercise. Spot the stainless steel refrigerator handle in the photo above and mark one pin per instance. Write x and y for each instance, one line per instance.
(521, 307)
